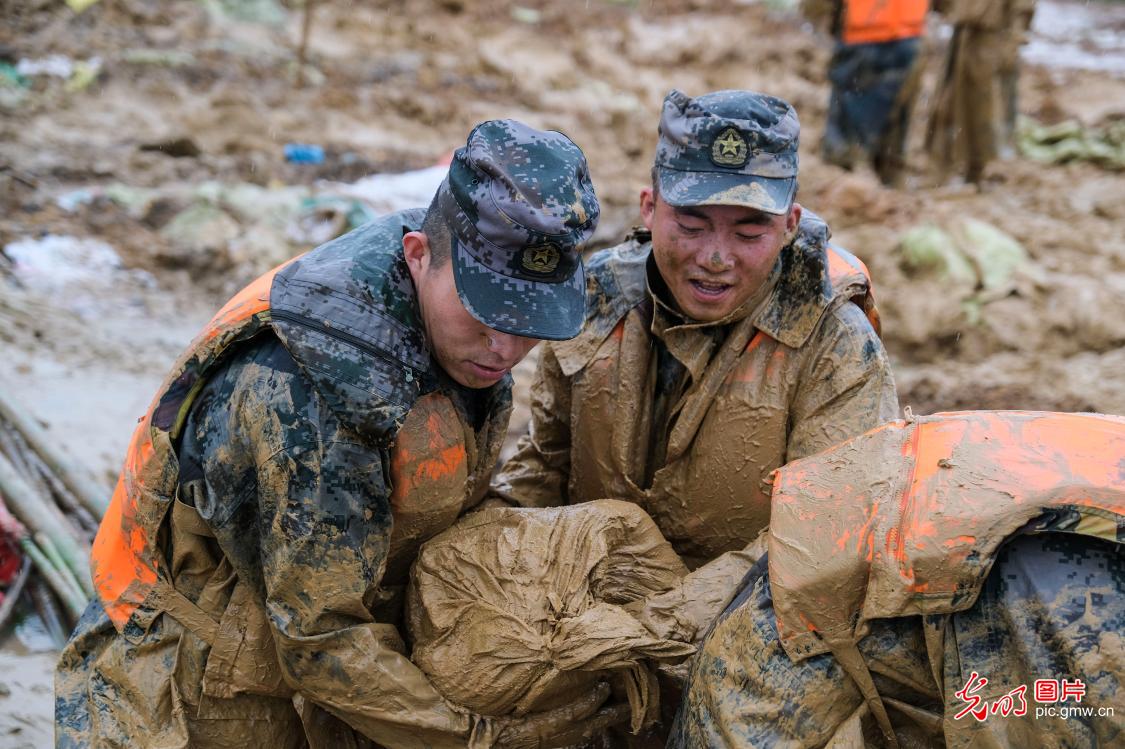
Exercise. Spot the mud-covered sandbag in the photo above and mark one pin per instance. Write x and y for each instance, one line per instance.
(514, 610)
(685, 612)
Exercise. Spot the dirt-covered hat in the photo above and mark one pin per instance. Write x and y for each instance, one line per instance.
(728, 148)
(520, 205)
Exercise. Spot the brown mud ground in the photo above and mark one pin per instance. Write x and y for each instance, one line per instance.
(394, 86)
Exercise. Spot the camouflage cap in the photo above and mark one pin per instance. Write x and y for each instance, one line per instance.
(728, 148)
(520, 206)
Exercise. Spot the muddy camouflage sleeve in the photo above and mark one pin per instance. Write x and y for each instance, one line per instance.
(847, 387)
(538, 474)
(324, 526)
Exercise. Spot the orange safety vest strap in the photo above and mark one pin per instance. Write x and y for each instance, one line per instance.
(124, 560)
(870, 21)
(842, 264)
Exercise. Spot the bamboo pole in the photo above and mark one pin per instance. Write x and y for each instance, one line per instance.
(30, 510)
(89, 491)
(74, 601)
(68, 592)
(302, 49)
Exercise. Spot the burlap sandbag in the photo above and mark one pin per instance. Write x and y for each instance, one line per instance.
(514, 611)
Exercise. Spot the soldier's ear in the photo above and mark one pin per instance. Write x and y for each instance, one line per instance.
(648, 206)
(793, 219)
(416, 252)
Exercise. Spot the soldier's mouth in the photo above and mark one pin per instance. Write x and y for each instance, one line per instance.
(708, 289)
(488, 373)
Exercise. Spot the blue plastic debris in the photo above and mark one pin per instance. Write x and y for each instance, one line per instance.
(304, 153)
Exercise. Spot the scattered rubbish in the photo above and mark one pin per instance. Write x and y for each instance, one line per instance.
(58, 66)
(75, 199)
(303, 153)
(200, 237)
(386, 193)
(931, 249)
(11, 77)
(526, 15)
(267, 12)
(79, 74)
(85, 73)
(975, 263)
(55, 261)
(177, 148)
(324, 218)
(995, 255)
(168, 58)
(80, 5)
(1072, 141)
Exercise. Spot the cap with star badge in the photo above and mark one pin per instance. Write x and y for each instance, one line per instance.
(520, 205)
(728, 148)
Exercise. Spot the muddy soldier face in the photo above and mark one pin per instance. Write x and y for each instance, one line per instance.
(333, 416)
(724, 339)
(719, 218)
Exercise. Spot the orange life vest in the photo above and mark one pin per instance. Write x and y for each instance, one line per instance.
(907, 518)
(867, 21)
(124, 557)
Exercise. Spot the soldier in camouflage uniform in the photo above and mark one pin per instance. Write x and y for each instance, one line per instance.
(930, 584)
(332, 417)
(726, 338)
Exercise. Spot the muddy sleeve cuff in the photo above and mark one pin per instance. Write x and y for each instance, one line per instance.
(846, 386)
(538, 474)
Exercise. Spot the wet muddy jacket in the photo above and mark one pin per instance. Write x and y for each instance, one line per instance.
(688, 419)
(277, 490)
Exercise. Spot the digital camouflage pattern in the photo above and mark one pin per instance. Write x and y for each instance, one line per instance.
(1052, 608)
(728, 148)
(298, 451)
(689, 419)
(520, 206)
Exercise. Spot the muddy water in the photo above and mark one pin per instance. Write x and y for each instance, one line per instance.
(1078, 35)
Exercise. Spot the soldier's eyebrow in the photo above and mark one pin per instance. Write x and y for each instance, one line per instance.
(757, 218)
(687, 210)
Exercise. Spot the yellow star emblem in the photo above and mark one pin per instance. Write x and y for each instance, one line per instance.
(541, 258)
(729, 149)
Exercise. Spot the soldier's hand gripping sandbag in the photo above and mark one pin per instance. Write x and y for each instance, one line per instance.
(685, 612)
(514, 611)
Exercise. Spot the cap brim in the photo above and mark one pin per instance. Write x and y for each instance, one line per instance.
(551, 311)
(767, 194)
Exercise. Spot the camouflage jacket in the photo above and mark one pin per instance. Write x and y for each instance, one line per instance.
(687, 419)
(314, 453)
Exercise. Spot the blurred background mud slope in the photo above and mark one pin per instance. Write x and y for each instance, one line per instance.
(156, 156)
